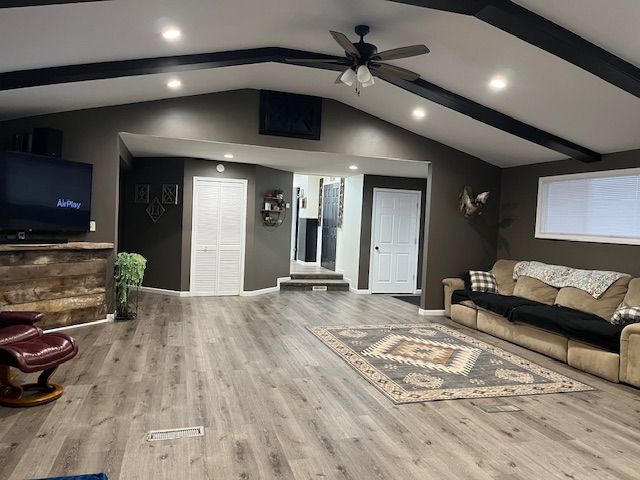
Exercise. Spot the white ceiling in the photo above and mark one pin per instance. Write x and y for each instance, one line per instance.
(306, 162)
(543, 91)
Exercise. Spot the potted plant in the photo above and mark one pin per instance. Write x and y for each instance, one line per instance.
(129, 272)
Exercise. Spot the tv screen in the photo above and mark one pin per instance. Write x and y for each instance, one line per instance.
(44, 194)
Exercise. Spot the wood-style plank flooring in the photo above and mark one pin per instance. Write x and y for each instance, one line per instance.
(278, 404)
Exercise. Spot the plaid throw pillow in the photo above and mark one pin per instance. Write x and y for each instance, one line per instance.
(483, 281)
(626, 315)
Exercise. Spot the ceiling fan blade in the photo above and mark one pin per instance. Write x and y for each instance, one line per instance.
(386, 69)
(402, 52)
(345, 43)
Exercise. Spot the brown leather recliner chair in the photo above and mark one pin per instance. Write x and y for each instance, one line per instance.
(27, 348)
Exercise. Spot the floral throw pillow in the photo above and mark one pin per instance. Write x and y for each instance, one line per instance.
(483, 281)
(626, 315)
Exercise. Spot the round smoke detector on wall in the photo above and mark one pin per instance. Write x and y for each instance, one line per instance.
(220, 168)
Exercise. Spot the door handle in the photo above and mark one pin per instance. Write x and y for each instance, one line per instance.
(377, 248)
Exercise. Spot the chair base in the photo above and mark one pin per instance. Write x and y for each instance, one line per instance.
(30, 395)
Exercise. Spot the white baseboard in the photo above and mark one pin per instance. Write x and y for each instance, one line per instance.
(418, 292)
(262, 291)
(109, 319)
(164, 291)
(359, 291)
(431, 313)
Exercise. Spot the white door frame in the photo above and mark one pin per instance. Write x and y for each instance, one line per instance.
(194, 209)
(373, 230)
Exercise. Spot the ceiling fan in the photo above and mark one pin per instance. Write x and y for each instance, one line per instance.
(364, 62)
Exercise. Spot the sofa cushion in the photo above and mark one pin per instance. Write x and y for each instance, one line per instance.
(632, 298)
(536, 290)
(604, 307)
(573, 324)
(503, 270)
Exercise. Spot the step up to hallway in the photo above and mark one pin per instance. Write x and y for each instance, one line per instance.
(307, 281)
(316, 276)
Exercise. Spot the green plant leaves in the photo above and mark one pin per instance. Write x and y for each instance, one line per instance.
(129, 272)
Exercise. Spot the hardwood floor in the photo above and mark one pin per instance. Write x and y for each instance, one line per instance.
(278, 404)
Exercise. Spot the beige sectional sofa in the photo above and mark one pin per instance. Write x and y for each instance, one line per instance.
(613, 366)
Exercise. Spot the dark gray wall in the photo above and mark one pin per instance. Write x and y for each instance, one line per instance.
(375, 181)
(451, 246)
(271, 246)
(518, 219)
(161, 242)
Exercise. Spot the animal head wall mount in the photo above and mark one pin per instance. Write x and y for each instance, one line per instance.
(471, 204)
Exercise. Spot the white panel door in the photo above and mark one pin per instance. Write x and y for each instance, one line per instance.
(394, 238)
(218, 230)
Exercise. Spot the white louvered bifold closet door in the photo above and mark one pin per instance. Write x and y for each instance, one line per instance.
(218, 235)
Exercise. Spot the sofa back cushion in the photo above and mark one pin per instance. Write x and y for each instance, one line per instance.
(536, 290)
(604, 307)
(632, 298)
(503, 271)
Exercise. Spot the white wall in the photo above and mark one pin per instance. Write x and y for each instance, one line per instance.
(348, 241)
(310, 186)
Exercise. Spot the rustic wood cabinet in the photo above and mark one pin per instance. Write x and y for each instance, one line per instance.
(68, 281)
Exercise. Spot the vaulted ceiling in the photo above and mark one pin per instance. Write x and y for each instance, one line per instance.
(551, 100)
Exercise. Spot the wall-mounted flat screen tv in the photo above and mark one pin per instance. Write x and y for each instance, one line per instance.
(44, 194)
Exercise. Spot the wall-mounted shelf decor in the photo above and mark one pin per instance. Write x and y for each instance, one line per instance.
(274, 209)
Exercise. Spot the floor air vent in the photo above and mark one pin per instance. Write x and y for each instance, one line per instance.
(319, 288)
(175, 433)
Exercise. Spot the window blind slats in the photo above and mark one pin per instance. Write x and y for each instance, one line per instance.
(602, 206)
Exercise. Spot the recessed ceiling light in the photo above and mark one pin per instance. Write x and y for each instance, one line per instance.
(174, 84)
(228, 155)
(220, 168)
(497, 83)
(353, 167)
(419, 113)
(172, 34)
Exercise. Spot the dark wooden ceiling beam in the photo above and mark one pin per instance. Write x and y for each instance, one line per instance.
(149, 66)
(545, 34)
(494, 118)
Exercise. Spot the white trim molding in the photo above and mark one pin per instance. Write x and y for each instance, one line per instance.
(164, 291)
(359, 292)
(262, 291)
(374, 225)
(431, 313)
(609, 191)
(109, 319)
(354, 289)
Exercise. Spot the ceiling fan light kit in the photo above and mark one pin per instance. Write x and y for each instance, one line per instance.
(364, 62)
(348, 77)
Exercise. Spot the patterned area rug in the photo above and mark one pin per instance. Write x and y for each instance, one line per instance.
(419, 363)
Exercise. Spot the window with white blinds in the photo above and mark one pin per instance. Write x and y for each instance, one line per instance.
(590, 207)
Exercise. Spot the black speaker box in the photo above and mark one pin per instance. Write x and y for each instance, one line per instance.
(290, 115)
(47, 141)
